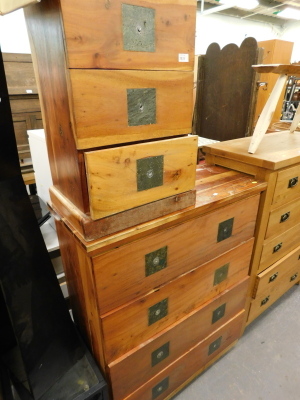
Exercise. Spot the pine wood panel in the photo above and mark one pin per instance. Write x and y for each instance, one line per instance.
(284, 192)
(127, 327)
(277, 222)
(287, 241)
(101, 112)
(276, 150)
(192, 362)
(45, 32)
(180, 338)
(88, 28)
(112, 174)
(120, 274)
(277, 274)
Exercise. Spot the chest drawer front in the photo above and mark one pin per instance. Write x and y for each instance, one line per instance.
(137, 322)
(283, 218)
(274, 249)
(126, 177)
(112, 107)
(174, 342)
(287, 185)
(142, 34)
(274, 277)
(171, 378)
(121, 274)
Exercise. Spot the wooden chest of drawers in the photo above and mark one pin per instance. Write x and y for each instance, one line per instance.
(275, 260)
(158, 303)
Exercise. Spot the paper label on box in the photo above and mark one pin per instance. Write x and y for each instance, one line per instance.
(183, 57)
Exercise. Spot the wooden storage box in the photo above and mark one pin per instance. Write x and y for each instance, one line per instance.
(112, 107)
(140, 34)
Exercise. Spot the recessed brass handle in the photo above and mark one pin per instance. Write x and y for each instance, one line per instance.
(264, 301)
(293, 182)
(277, 247)
(294, 277)
(273, 277)
(285, 216)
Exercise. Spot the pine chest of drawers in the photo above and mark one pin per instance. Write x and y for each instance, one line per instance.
(158, 303)
(276, 259)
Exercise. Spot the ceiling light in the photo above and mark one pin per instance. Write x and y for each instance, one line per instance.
(245, 4)
(289, 13)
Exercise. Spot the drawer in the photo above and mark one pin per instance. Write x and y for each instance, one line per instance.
(122, 178)
(287, 185)
(113, 107)
(164, 349)
(134, 324)
(191, 364)
(283, 218)
(132, 270)
(278, 273)
(268, 296)
(275, 248)
(141, 34)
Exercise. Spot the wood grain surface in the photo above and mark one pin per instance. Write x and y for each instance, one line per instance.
(100, 105)
(112, 174)
(94, 34)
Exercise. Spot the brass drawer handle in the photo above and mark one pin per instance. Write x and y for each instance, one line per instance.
(294, 277)
(273, 277)
(285, 217)
(264, 301)
(293, 182)
(277, 247)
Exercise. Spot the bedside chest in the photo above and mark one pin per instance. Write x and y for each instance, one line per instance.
(276, 260)
(159, 302)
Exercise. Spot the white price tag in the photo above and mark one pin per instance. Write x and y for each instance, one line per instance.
(29, 91)
(183, 57)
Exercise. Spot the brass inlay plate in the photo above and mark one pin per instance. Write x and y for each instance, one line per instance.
(221, 274)
(218, 313)
(156, 261)
(141, 106)
(160, 354)
(160, 388)
(225, 229)
(158, 311)
(214, 345)
(138, 28)
(150, 172)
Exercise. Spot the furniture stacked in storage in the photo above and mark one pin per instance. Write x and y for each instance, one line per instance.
(275, 265)
(156, 299)
(160, 302)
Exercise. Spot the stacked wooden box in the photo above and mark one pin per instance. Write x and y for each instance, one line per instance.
(117, 81)
(156, 299)
(275, 266)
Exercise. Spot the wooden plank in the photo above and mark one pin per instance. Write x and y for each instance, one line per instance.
(100, 104)
(277, 150)
(20, 78)
(286, 69)
(7, 6)
(128, 326)
(92, 230)
(267, 114)
(122, 371)
(227, 82)
(112, 174)
(87, 29)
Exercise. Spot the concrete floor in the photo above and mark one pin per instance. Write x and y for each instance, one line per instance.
(265, 363)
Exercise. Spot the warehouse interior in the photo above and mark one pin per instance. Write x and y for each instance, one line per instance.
(149, 200)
